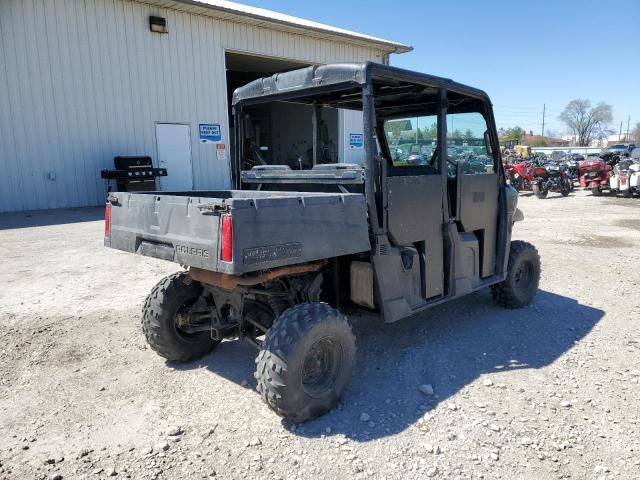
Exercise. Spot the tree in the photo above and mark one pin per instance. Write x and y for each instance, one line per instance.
(587, 123)
(456, 134)
(537, 141)
(394, 127)
(468, 134)
(636, 133)
(430, 132)
(513, 134)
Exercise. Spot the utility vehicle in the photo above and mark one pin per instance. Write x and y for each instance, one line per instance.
(280, 259)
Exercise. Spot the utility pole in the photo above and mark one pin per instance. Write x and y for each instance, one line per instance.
(627, 135)
(620, 133)
(544, 108)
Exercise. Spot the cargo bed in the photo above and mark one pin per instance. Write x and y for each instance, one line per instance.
(262, 229)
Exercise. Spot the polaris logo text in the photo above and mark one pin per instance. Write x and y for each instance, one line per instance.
(193, 251)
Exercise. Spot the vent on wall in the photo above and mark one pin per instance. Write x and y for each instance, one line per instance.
(158, 24)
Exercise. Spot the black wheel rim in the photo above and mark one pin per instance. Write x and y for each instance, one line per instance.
(320, 368)
(181, 318)
(524, 278)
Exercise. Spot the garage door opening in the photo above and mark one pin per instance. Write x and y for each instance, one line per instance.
(281, 132)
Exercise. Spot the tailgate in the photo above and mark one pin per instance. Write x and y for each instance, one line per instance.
(237, 231)
(181, 229)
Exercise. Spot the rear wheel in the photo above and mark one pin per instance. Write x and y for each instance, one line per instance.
(538, 191)
(305, 362)
(627, 193)
(523, 277)
(163, 320)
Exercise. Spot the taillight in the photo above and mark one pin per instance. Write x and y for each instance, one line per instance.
(226, 239)
(107, 220)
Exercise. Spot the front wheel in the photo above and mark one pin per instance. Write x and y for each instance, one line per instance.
(523, 277)
(305, 362)
(165, 320)
(539, 192)
(595, 191)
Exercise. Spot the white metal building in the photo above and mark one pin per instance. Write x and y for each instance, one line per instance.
(82, 81)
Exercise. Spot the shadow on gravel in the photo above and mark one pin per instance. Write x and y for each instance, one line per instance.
(41, 218)
(449, 347)
(556, 196)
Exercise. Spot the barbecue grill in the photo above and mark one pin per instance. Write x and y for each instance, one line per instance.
(133, 174)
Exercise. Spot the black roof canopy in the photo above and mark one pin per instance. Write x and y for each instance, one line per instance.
(339, 85)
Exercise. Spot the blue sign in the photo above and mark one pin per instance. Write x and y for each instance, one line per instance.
(356, 140)
(210, 133)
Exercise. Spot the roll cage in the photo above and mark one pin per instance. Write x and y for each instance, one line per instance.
(380, 92)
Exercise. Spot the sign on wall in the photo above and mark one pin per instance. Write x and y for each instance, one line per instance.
(356, 140)
(221, 151)
(210, 133)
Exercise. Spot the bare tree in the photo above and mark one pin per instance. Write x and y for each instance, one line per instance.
(636, 133)
(585, 122)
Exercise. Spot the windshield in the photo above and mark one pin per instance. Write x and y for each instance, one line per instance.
(413, 143)
(412, 140)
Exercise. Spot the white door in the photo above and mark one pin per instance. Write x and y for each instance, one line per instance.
(174, 154)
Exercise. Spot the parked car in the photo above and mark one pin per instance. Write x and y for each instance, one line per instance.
(621, 148)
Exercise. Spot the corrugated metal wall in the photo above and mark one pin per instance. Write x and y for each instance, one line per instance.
(82, 81)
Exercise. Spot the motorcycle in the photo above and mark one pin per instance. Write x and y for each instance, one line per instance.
(551, 177)
(634, 169)
(594, 175)
(519, 175)
(573, 166)
(626, 177)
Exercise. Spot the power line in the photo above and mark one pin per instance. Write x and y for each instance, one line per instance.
(520, 108)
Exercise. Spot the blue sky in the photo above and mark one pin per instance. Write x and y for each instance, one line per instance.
(523, 54)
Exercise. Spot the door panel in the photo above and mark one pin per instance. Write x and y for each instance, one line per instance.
(174, 154)
(478, 210)
(472, 190)
(415, 215)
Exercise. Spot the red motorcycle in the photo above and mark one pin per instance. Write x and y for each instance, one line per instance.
(519, 175)
(594, 175)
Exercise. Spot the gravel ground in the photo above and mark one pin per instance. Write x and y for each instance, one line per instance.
(550, 391)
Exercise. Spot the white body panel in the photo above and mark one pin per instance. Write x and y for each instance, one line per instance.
(614, 182)
(634, 177)
(623, 182)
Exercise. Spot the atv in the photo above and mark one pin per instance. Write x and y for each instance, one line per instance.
(282, 258)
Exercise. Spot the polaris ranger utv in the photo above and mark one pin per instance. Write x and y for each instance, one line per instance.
(283, 256)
